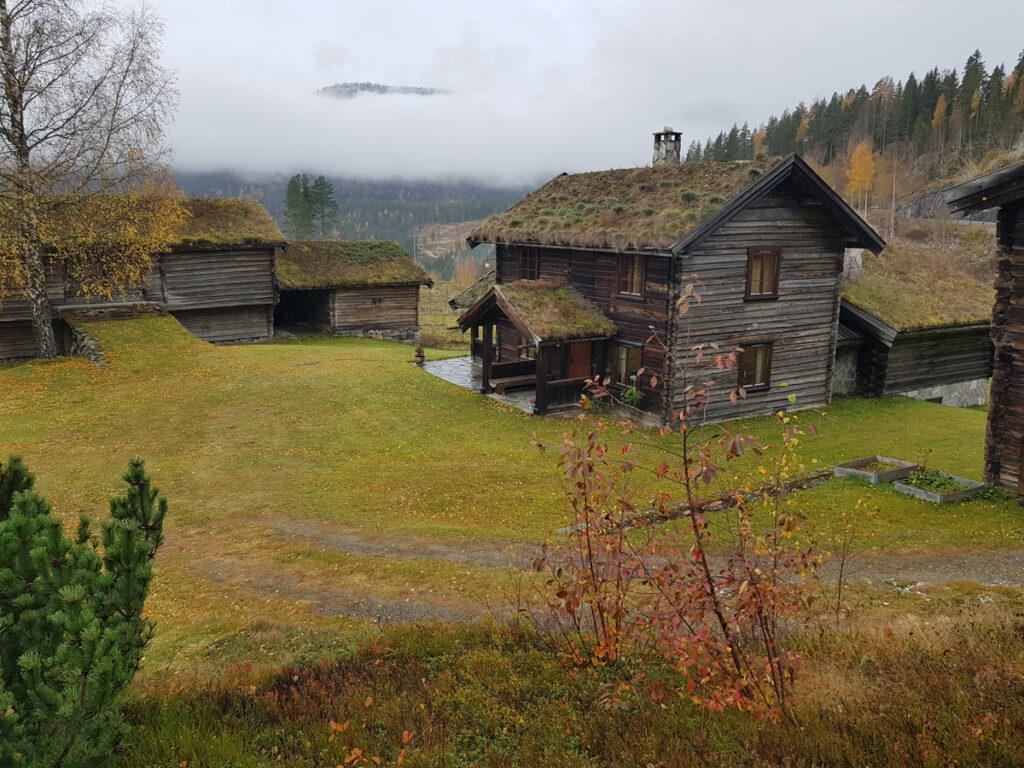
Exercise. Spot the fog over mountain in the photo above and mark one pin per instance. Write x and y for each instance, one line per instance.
(530, 88)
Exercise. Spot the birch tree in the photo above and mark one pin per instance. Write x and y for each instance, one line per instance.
(83, 107)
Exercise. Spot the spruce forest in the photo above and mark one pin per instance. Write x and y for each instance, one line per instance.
(936, 122)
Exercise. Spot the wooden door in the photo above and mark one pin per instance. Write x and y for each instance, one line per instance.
(578, 365)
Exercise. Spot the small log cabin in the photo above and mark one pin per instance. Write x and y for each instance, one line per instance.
(1004, 438)
(914, 321)
(766, 238)
(351, 288)
(217, 280)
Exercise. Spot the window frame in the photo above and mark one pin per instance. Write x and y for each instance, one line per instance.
(526, 350)
(629, 350)
(757, 254)
(529, 263)
(768, 348)
(632, 273)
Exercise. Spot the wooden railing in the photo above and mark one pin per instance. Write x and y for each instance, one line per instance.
(514, 368)
(564, 391)
(477, 349)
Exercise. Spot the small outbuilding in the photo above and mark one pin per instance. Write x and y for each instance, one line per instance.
(351, 288)
(217, 280)
(914, 321)
(1004, 439)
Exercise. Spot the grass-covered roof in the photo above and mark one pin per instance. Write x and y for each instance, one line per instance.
(651, 207)
(555, 312)
(215, 221)
(473, 292)
(312, 264)
(931, 275)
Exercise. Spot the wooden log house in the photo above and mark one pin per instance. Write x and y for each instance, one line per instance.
(915, 322)
(1004, 437)
(765, 237)
(351, 288)
(217, 280)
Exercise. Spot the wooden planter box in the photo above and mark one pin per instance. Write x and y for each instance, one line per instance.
(859, 468)
(941, 498)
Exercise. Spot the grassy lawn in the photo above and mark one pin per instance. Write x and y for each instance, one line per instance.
(318, 475)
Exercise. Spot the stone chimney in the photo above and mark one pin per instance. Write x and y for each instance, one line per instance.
(667, 146)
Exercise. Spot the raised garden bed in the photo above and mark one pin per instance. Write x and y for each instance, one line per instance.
(939, 487)
(875, 469)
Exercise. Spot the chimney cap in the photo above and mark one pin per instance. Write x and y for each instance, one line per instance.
(666, 129)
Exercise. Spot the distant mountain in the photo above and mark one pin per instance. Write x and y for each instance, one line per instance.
(351, 90)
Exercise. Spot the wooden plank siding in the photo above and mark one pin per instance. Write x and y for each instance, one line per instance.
(17, 340)
(801, 322)
(194, 280)
(595, 275)
(239, 284)
(388, 307)
(920, 359)
(1004, 438)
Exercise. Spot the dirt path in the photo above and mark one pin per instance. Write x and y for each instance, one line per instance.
(250, 574)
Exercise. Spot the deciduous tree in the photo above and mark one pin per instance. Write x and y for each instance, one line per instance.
(83, 104)
(861, 173)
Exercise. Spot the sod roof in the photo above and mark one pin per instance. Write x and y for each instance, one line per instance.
(915, 284)
(546, 311)
(215, 221)
(651, 207)
(312, 264)
(473, 292)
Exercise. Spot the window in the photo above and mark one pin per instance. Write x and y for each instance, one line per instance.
(755, 366)
(631, 274)
(529, 264)
(763, 273)
(626, 363)
(526, 349)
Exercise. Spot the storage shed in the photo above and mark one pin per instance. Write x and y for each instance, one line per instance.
(217, 280)
(1004, 439)
(914, 321)
(351, 288)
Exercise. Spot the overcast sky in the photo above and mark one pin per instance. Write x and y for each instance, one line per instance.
(535, 88)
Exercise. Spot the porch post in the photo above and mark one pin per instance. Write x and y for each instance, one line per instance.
(540, 400)
(488, 359)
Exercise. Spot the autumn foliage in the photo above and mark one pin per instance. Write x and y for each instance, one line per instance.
(707, 593)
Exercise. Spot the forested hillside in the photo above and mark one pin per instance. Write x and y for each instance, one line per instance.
(937, 124)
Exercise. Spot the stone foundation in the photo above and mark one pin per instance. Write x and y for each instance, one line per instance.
(404, 335)
(962, 394)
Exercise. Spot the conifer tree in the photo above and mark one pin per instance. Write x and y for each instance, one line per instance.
(323, 206)
(298, 207)
(72, 630)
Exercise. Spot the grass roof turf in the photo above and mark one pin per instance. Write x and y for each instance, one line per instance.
(313, 264)
(215, 221)
(473, 292)
(650, 207)
(927, 278)
(555, 312)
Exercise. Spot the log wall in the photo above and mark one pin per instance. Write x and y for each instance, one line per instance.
(238, 283)
(377, 308)
(802, 322)
(1004, 438)
(595, 275)
(920, 359)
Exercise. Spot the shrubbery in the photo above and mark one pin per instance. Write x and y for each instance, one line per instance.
(71, 625)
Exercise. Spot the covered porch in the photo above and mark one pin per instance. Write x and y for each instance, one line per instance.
(564, 341)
